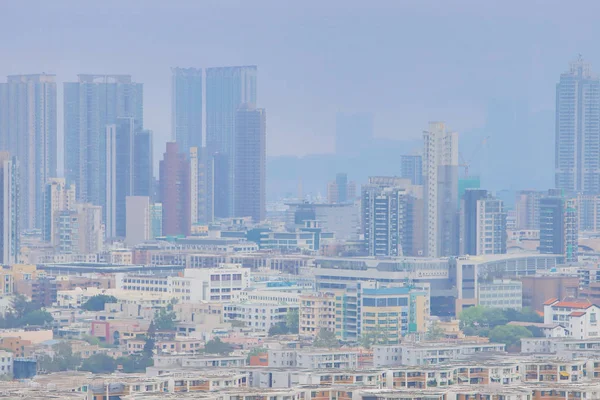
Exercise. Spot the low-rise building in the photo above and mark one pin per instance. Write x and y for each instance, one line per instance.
(258, 316)
(314, 358)
(580, 318)
(500, 294)
(430, 353)
(316, 312)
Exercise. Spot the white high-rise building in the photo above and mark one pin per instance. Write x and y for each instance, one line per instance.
(138, 220)
(440, 180)
(577, 151)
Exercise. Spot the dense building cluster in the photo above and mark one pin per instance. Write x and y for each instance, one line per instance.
(417, 285)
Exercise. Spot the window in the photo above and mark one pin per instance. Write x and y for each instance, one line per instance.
(368, 302)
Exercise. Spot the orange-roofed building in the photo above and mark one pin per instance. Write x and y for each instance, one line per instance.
(579, 317)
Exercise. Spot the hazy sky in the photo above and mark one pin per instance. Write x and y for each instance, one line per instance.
(406, 61)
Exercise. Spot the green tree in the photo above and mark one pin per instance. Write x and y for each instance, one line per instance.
(292, 320)
(164, 320)
(149, 347)
(236, 323)
(21, 306)
(510, 335)
(471, 317)
(377, 336)
(278, 329)
(38, 317)
(96, 303)
(134, 363)
(93, 340)
(255, 351)
(326, 338)
(216, 346)
(435, 331)
(63, 359)
(99, 364)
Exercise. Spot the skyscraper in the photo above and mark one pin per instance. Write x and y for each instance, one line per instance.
(91, 104)
(9, 208)
(559, 230)
(205, 187)
(58, 196)
(78, 231)
(227, 88)
(411, 167)
(124, 171)
(186, 107)
(175, 196)
(194, 181)
(156, 220)
(391, 211)
(527, 207)
(440, 179)
(221, 185)
(143, 164)
(250, 162)
(588, 208)
(484, 229)
(469, 219)
(385, 220)
(28, 132)
(577, 151)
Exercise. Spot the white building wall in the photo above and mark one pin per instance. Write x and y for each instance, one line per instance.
(138, 220)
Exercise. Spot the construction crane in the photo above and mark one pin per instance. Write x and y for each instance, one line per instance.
(467, 163)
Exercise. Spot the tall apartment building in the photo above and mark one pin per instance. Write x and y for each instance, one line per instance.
(58, 196)
(156, 216)
(440, 180)
(205, 185)
(411, 167)
(79, 231)
(317, 311)
(186, 108)
(194, 182)
(120, 167)
(250, 163)
(559, 228)
(588, 207)
(28, 132)
(227, 88)
(392, 212)
(386, 222)
(90, 105)
(9, 208)
(491, 226)
(577, 146)
(341, 190)
(527, 207)
(175, 192)
(484, 224)
(143, 164)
